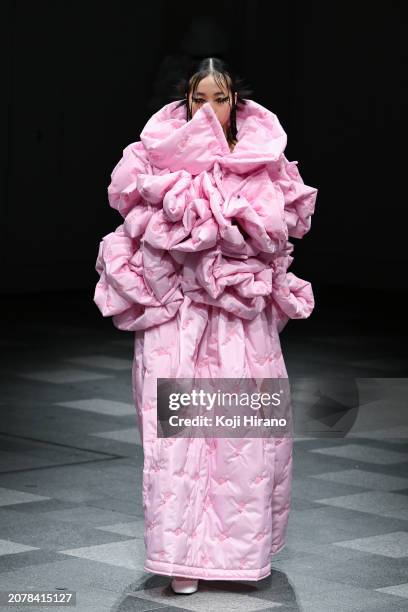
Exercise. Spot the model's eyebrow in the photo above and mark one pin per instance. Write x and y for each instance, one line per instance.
(200, 93)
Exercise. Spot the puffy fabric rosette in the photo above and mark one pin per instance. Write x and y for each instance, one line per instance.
(180, 240)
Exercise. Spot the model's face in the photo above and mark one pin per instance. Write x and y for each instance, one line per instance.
(219, 98)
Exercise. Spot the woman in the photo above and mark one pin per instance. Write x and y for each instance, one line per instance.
(198, 270)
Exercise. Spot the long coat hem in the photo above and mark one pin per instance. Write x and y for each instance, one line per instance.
(202, 573)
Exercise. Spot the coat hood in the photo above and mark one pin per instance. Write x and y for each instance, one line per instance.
(174, 143)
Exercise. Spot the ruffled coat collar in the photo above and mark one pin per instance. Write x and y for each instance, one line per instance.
(173, 143)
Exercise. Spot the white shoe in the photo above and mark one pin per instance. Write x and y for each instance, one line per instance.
(184, 585)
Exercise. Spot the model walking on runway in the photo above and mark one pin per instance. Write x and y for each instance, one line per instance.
(198, 270)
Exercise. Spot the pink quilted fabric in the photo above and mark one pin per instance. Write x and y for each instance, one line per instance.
(207, 300)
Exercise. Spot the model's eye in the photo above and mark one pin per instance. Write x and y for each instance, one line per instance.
(219, 100)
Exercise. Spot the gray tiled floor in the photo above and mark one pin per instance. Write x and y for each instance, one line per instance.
(363, 453)
(63, 375)
(363, 478)
(71, 469)
(101, 406)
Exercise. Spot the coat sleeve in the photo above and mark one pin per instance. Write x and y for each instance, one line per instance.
(123, 194)
(299, 198)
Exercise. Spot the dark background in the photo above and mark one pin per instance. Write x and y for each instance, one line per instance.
(80, 81)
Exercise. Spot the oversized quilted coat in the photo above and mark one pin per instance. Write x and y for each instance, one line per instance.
(198, 271)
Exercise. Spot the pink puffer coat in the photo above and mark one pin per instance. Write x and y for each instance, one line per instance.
(206, 300)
